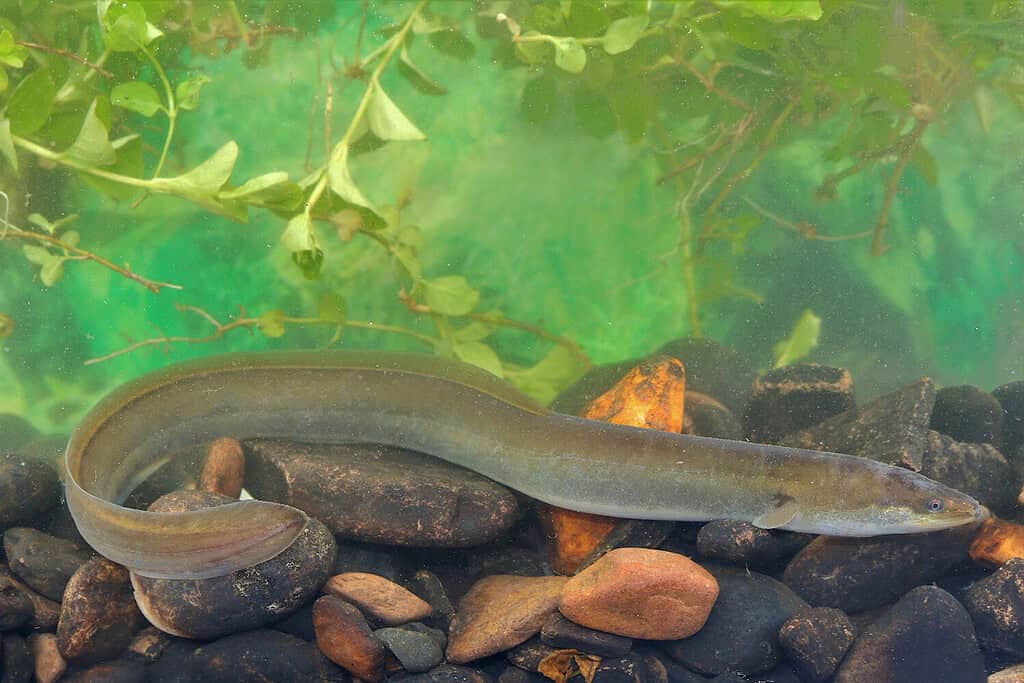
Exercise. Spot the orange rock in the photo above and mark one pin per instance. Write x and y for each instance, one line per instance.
(500, 612)
(650, 395)
(997, 541)
(224, 469)
(641, 593)
(382, 599)
(345, 638)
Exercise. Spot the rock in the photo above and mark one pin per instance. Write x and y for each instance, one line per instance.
(597, 380)
(502, 558)
(260, 655)
(15, 432)
(224, 468)
(857, 574)
(641, 593)
(1013, 674)
(416, 650)
(383, 600)
(42, 561)
(977, 469)
(559, 632)
(927, 636)
(713, 369)
(49, 664)
(98, 616)
(361, 557)
(572, 536)
(428, 586)
(1011, 400)
(996, 604)
(242, 600)
(621, 670)
(16, 607)
(28, 488)
(631, 533)
(116, 671)
(892, 429)
(445, 674)
(343, 635)
(513, 674)
(18, 664)
(783, 673)
(529, 655)
(149, 644)
(707, 417)
(795, 397)
(661, 669)
(380, 494)
(997, 541)
(966, 413)
(816, 641)
(499, 612)
(741, 634)
(732, 541)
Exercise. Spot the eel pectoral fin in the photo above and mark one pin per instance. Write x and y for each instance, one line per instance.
(779, 516)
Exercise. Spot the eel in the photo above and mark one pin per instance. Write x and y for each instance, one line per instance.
(463, 415)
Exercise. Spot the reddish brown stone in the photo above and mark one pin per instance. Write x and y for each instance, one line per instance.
(49, 664)
(98, 616)
(641, 593)
(500, 612)
(384, 600)
(997, 541)
(224, 469)
(343, 635)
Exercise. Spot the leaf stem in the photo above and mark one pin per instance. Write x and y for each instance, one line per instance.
(67, 54)
(58, 158)
(172, 109)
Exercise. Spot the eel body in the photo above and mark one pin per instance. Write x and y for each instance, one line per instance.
(466, 416)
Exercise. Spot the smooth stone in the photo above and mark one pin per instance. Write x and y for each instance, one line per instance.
(381, 599)
(795, 397)
(299, 624)
(731, 541)
(707, 417)
(892, 429)
(98, 616)
(343, 635)
(446, 673)
(16, 607)
(783, 673)
(621, 670)
(741, 634)
(858, 574)
(559, 632)
(18, 664)
(816, 641)
(1011, 400)
(713, 369)
(49, 664)
(499, 612)
(42, 561)
(260, 655)
(630, 533)
(428, 586)
(967, 413)
(380, 494)
(45, 612)
(513, 674)
(243, 600)
(977, 469)
(28, 488)
(661, 668)
(224, 468)
(415, 650)
(996, 604)
(641, 593)
(15, 432)
(528, 655)
(927, 636)
(1013, 674)
(149, 644)
(116, 671)
(372, 559)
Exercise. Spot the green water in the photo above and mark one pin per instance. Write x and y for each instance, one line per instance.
(539, 186)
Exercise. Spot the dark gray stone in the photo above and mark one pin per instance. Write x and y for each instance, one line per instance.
(16, 608)
(364, 557)
(416, 650)
(927, 636)
(967, 413)
(996, 604)
(447, 673)
(42, 561)
(713, 369)
(707, 417)
(513, 674)
(977, 469)
(428, 586)
(621, 670)
(529, 655)
(816, 642)
(630, 533)
(742, 632)
(892, 429)
(117, 671)
(796, 397)
(298, 624)
(559, 632)
(1011, 399)
(28, 488)
(857, 574)
(45, 612)
(19, 665)
(732, 541)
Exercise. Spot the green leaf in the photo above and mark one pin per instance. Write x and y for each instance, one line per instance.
(92, 146)
(52, 271)
(309, 262)
(545, 380)
(473, 332)
(6, 42)
(7, 144)
(31, 102)
(187, 92)
(452, 43)
(298, 234)
(136, 96)
(207, 178)
(36, 254)
(125, 24)
(271, 323)
(586, 19)
(415, 75)
(481, 355)
(451, 295)
(129, 163)
(270, 188)
(623, 33)
(341, 181)
(775, 10)
(332, 308)
(388, 122)
(570, 55)
(532, 52)
(3, 80)
(41, 221)
(801, 341)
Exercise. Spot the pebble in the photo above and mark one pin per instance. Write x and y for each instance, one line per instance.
(857, 574)
(42, 561)
(240, 601)
(224, 469)
(416, 650)
(1011, 399)
(741, 634)
(499, 612)
(381, 494)
(815, 641)
(559, 632)
(49, 665)
(707, 417)
(631, 533)
(28, 488)
(731, 541)
(18, 664)
(892, 429)
(343, 635)
(967, 413)
(927, 636)
(1013, 674)
(977, 469)
(16, 608)
(15, 432)
(513, 674)
(795, 397)
(116, 671)
(381, 599)
(641, 593)
(363, 557)
(996, 604)
(428, 586)
(445, 674)
(714, 370)
(98, 616)
(149, 644)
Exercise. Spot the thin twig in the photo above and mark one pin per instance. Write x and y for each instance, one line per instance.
(67, 55)
(806, 230)
(709, 84)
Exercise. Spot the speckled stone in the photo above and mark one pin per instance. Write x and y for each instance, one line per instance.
(42, 561)
(795, 397)
(816, 642)
(996, 604)
(968, 414)
(416, 650)
(98, 616)
(384, 601)
(977, 469)
(730, 541)
(28, 488)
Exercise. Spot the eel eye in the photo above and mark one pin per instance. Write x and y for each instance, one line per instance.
(936, 505)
